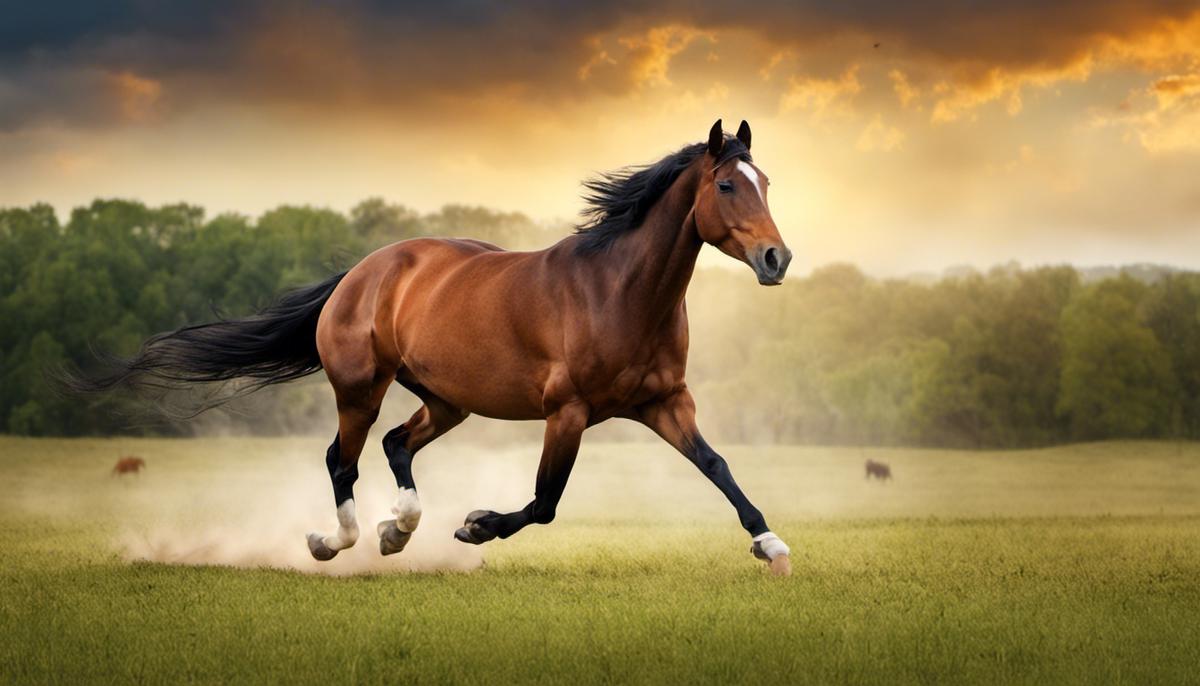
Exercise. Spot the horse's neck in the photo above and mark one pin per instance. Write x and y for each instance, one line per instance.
(655, 261)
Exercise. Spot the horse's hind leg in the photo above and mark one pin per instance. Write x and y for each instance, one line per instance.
(358, 406)
(435, 418)
(564, 429)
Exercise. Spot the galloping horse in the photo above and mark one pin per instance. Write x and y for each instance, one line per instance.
(591, 328)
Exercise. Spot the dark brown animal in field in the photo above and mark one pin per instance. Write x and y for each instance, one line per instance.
(128, 465)
(590, 329)
(879, 470)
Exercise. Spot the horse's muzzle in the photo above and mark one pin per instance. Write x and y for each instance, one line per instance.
(770, 263)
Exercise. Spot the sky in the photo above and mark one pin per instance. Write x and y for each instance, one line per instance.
(902, 137)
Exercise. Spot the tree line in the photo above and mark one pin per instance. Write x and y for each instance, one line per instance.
(1012, 357)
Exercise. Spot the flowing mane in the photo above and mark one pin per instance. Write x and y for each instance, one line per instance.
(618, 201)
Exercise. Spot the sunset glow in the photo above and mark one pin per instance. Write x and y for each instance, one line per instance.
(902, 137)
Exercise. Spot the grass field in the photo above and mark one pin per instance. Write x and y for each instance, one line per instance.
(1078, 564)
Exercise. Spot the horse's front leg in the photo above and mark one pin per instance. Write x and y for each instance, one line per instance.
(564, 429)
(674, 419)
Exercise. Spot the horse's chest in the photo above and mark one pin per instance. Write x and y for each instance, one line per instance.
(633, 386)
(618, 373)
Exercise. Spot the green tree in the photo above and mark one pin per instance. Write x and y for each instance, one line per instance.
(1173, 313)
(1116, 375)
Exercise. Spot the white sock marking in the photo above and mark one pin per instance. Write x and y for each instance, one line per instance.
(772, 545)
(407, 510)
(753, 176)
(347, 534)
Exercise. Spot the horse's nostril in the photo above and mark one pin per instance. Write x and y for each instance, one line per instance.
(771, 259)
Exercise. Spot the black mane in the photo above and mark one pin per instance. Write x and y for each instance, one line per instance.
(618, 201)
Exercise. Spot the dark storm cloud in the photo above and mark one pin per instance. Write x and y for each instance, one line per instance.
(79, 63)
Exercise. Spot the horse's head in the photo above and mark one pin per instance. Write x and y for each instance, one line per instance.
(731, 207)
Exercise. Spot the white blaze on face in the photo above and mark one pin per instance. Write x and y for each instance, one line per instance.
(407, 510)
(753, 176)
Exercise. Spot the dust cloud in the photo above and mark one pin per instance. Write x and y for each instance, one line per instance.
(269, 531)
(256, 513)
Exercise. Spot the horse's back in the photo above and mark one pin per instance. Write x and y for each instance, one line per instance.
(369, 288)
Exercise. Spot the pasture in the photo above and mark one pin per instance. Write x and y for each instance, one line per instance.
(1076, 564)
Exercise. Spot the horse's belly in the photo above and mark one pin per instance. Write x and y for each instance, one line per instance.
(482, 374)
(475, 392)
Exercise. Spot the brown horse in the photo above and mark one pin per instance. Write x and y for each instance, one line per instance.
(128, 465)
(591, 328)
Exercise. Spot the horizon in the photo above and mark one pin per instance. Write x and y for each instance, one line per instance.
(708, 258)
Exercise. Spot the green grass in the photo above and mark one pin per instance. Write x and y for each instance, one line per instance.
(1078, 564)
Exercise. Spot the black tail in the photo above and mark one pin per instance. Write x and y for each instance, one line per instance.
(274, 345)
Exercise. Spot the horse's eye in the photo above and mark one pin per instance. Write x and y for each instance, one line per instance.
(725, 186)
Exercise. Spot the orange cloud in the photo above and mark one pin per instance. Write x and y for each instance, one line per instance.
(879, 136)
(599, 58)
(650, 53)
(374, 58)
(1173, 123)
(1171, 89)
(821, 97)
(963, 96)
(774, 61)
(906, 93)
(1163, 117)
(138, 98)
(1167, 43)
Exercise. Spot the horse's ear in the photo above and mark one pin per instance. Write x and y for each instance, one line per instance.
(716, 139)
(743, 134)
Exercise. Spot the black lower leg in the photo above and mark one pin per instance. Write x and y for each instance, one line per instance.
(342, 476)
(717, 470)
(563, 431)
(506, 525)
(541, 510)
(399, 458)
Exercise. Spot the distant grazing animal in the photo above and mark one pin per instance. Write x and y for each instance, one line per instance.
(879, 470)
(591, 328)
(129, 465)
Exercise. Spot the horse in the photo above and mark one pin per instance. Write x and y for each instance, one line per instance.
(128, 465)
(879, 470)
(592, 328)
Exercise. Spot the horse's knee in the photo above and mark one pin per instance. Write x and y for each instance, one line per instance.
(333, 456)
(395, 441)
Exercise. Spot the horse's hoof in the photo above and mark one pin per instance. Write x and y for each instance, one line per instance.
(757, 550)
(391, 539)
(472, 532)
(320, 551)
(781, 565)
